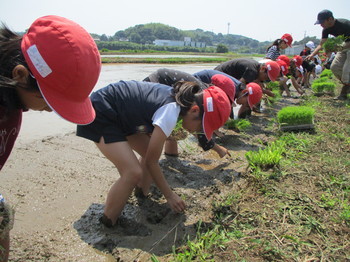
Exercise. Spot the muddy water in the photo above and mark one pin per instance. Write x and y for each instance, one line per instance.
(38, 125)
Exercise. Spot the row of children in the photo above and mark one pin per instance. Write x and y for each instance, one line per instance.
(309, 63)
(128, 116)
(122, 118)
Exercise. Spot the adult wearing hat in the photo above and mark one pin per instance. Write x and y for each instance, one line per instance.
(341, 63)
(53, 67)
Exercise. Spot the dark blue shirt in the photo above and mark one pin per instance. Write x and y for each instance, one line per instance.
(131, 103)
(206, 75)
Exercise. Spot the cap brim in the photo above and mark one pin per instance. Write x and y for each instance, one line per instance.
(273, 79)
(208, 130)
(80, 113)
(318, 22)
(250, 103)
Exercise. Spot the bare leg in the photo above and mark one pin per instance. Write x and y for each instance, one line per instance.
(283, 83)
(124, 159)
(171, 148)
(139, 143)
(4, 248)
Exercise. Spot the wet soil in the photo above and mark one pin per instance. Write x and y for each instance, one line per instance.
(58, 187)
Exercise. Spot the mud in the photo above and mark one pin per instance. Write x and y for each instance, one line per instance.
(58, 187)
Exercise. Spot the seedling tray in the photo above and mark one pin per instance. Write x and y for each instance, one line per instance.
(297, 127)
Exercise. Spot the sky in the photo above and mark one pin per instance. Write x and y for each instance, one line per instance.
(262, 20)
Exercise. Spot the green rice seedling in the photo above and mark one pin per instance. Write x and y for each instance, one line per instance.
(274, 87)
(200, 249)
(179, 133)
(238, 124)
(334, 44)
(327, 73)
(266, 158)
(296, 115)
(323, 87)
(321, 80)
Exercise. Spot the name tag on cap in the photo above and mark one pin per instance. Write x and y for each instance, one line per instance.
(210, 105)
(38, 61)
(250, 90)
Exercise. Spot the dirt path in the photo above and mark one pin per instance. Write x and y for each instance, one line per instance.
(58, 186)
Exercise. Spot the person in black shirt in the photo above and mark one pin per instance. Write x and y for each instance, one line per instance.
(341, 63)
(248, 70)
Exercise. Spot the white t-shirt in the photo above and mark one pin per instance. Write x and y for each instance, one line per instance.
(166, 117)
(318, 69)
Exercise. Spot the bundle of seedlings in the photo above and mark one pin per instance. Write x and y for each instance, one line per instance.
(178, 133)
(323, 87)
(326, 73)
(296, 118)
(334, 44)
(238, 124)
(274, 87)
(266, 158)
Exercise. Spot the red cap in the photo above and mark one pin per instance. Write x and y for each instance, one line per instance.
(288, 39)
(217, 109)
(226, 84)
(254, 94)
(284, 58)
(273, 69)
(298, 60)
(66, 64)
(283, 66)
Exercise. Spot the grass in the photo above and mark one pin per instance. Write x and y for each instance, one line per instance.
(298, 210)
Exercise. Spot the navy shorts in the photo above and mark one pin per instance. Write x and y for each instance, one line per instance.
(103, 126)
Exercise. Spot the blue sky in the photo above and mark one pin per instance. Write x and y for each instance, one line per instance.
(257, 19)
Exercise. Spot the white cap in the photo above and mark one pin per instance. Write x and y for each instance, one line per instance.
(310, 45)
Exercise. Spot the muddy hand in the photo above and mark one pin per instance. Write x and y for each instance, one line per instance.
(176, 203)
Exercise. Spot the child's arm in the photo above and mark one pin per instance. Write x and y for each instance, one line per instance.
(153, 154)
(265, 90)
(222, 151)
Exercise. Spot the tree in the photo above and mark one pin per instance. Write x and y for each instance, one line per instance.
(221, 48)
(104, 38)
(135, 37)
